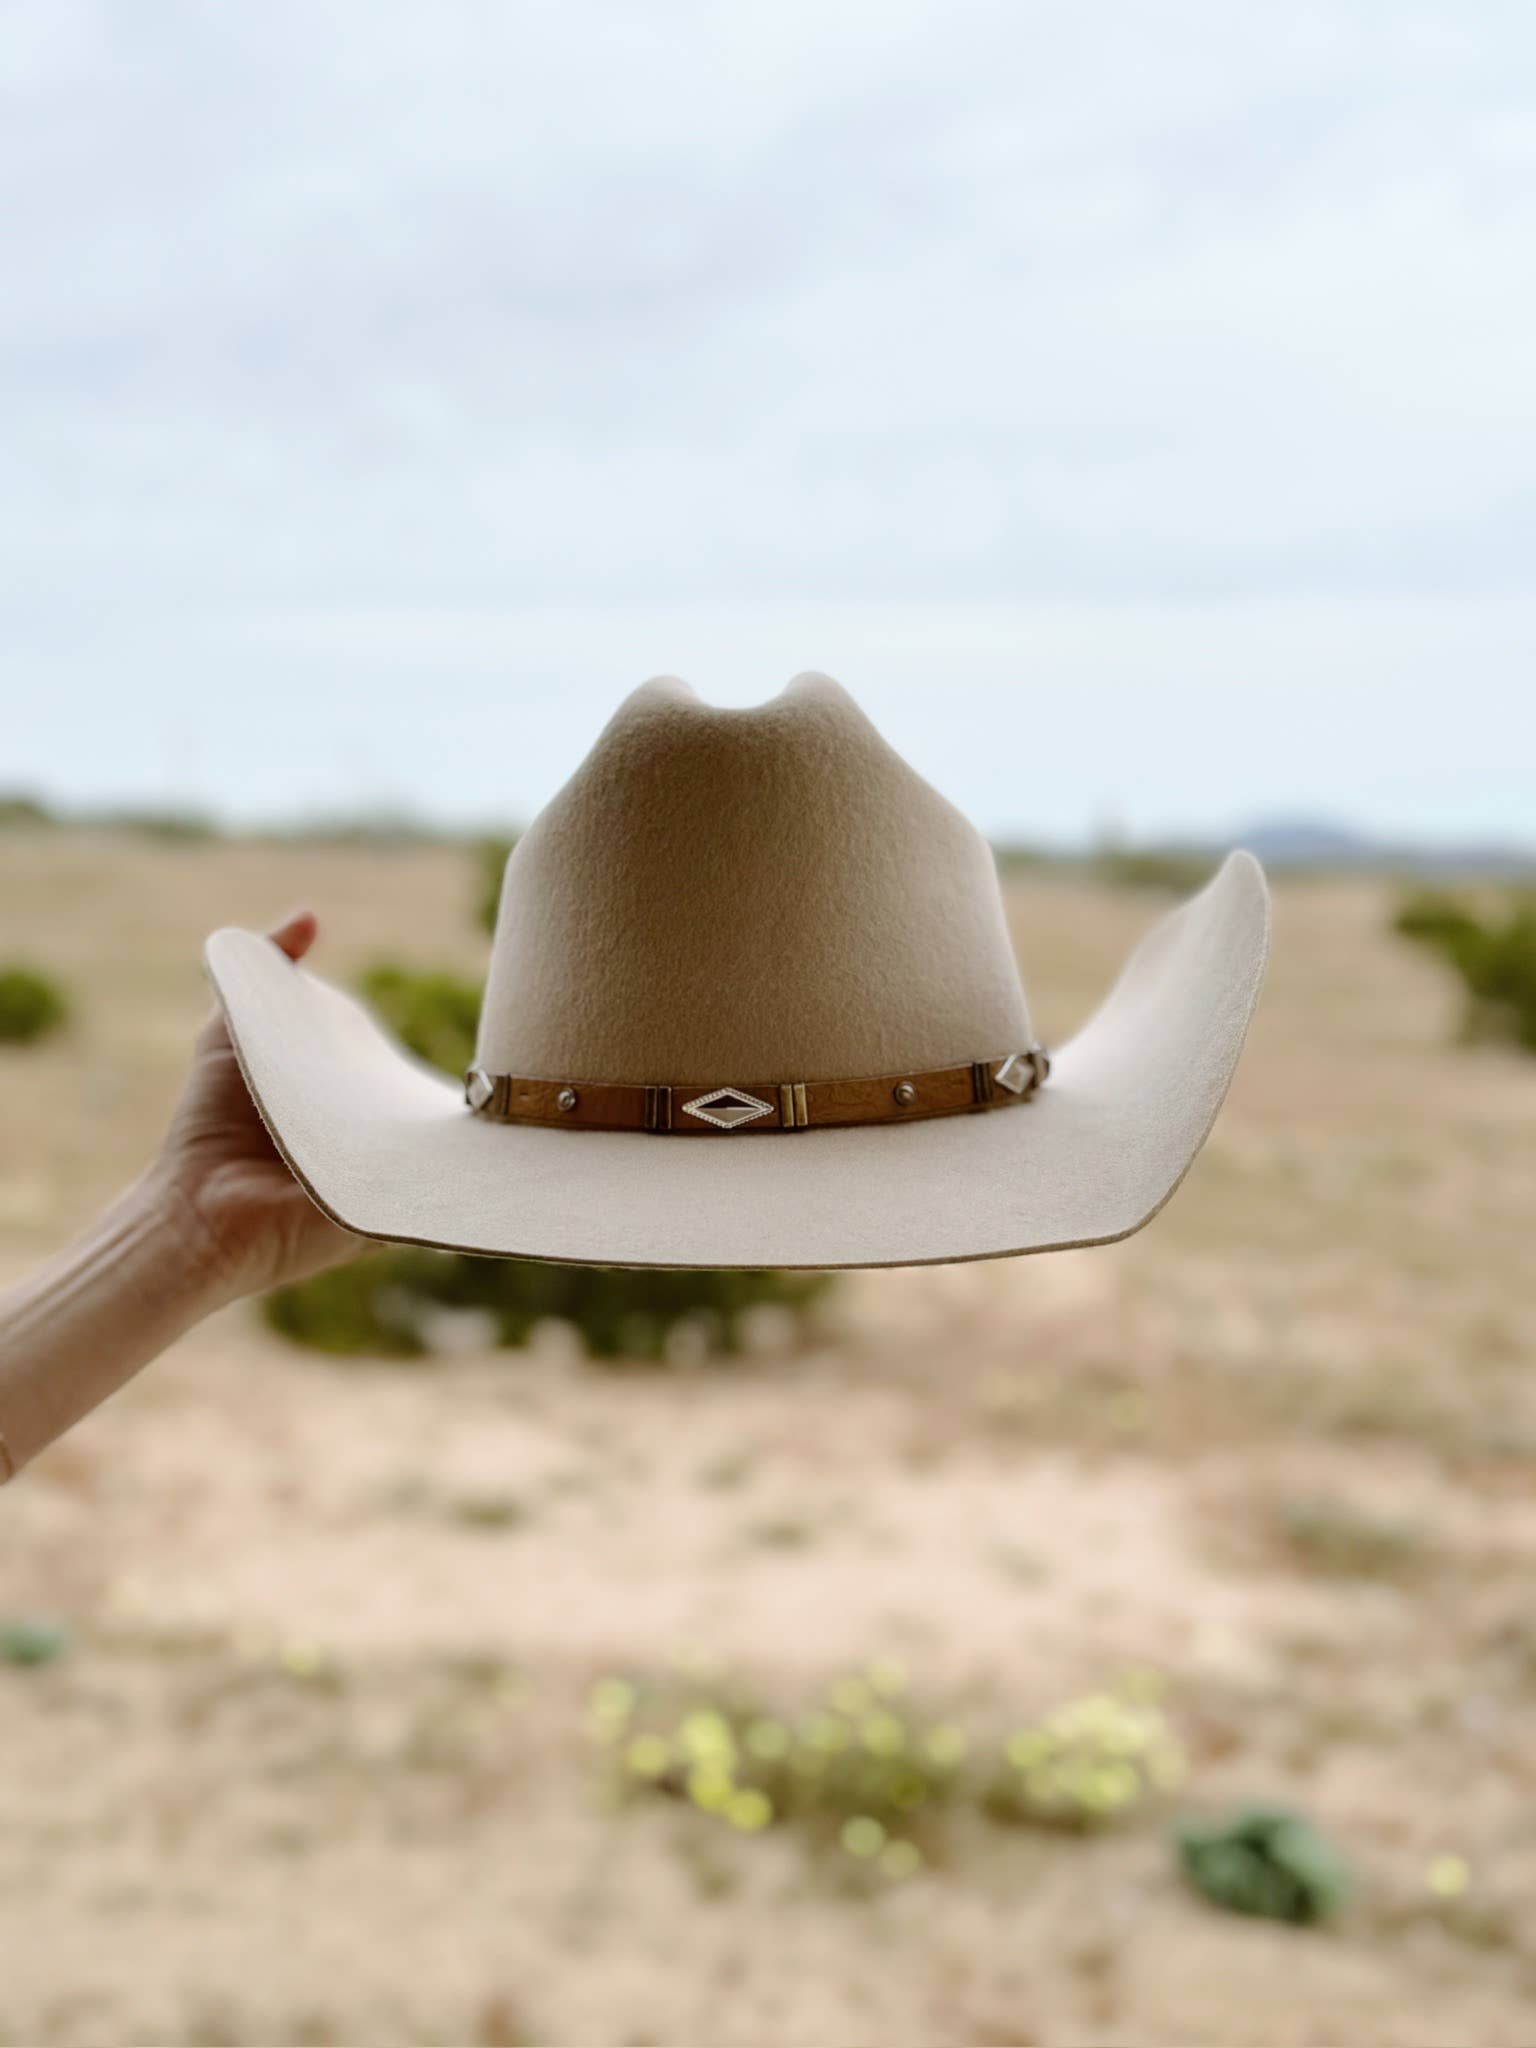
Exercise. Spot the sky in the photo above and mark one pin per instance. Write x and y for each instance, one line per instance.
(1131, 404)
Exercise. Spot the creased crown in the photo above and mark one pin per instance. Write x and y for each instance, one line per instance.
(758, 895)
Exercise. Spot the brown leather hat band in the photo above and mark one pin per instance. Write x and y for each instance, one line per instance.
(708, 1110)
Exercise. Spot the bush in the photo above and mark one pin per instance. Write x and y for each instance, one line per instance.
(386, 1305)
(31, 1006)
(436, 1015)
(1019, 857)
(1266, 1862)
(32, 1639)
(1495, 958)
(491, 857)
(856, 1772)
(371, 1306)
(379, 831)
(1152, 868)
(167, 828)
(861, 1774)
(1086, 1762)
(18, 809)
(1336, 1537)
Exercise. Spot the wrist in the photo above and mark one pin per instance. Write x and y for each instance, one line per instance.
(191, 1272)
(137, 1278)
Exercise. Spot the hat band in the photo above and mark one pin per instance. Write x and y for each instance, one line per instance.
(764, 1106)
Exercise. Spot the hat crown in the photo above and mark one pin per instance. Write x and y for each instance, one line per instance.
(769, 894)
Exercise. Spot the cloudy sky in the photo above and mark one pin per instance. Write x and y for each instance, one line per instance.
(1132, 403)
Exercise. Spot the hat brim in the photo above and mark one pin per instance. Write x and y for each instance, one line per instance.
(386, 1147)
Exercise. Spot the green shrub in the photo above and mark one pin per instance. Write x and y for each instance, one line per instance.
(31, 1006)
(17, 809)
(436, 1015)
(167, 828)
(1087, 1762)
(491, 857)
(384, 1305)
(379, 831)
(1152, 867)
(1337, 1537)
(371, 1306)
(1494, 957)
(1266, 1862)
(859, 1772)
(32, 1639)
(1018, 857)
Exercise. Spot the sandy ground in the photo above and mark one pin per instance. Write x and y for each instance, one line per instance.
(317, 1768)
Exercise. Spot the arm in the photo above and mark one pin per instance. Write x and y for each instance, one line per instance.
(215, 1216)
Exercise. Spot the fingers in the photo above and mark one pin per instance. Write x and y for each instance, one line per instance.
(296, 934)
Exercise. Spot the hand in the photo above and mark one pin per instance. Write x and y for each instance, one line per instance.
(255, 1225)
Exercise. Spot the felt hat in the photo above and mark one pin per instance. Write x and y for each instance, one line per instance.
(752, 1002)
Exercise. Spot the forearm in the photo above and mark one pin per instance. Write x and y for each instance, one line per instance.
(75, 1331)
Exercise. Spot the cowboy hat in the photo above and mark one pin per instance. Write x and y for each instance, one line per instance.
(752, 1003)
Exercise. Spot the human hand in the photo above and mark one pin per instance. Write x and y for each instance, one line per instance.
(253, 1224)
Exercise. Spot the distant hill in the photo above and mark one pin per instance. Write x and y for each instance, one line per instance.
(1320, 843)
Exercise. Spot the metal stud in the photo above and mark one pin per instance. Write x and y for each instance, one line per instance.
(905, 1094)
(478, 1087)
(567, 1098)
(794, 1110)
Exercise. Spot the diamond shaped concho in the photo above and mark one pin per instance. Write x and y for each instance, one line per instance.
(726, 1108)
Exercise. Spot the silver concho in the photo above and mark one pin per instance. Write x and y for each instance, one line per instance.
(725, 1108)
(1022, 1072)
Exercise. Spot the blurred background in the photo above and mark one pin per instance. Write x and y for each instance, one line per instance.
(1134, 411)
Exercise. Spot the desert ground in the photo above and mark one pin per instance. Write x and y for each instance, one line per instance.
(316, 1766)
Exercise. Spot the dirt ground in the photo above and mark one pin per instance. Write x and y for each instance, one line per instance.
(317, 1769)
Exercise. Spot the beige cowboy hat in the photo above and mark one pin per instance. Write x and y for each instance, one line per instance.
(752, 1003)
